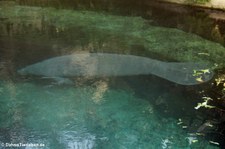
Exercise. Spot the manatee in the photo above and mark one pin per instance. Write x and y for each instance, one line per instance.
(106, 65)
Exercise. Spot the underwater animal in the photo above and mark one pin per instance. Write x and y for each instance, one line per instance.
(103, 65)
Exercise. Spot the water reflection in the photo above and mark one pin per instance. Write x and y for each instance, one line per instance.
(96, 113)
(110, 117)
(166, 14)
(55, 32)
(77, 140)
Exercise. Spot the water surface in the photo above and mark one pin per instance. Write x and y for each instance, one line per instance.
(142, 111)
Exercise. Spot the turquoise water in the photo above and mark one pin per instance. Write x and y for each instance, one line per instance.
(89, 115)
(135, 112)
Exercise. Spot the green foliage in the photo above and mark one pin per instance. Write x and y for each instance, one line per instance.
(115, 32)
(205, 104)
(199, 74)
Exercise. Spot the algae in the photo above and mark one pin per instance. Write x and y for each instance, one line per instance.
(121, 31)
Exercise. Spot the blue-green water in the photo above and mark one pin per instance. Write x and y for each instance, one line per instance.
(86, 116)
(135, 112)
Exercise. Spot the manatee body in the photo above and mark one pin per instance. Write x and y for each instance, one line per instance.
(102, 64)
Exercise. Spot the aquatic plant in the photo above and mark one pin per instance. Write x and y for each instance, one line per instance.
(110, 31)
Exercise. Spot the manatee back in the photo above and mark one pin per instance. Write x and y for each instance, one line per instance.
(100, 65)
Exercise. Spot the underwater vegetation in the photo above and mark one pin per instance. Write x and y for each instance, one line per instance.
(105, 30)
(32, 36)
